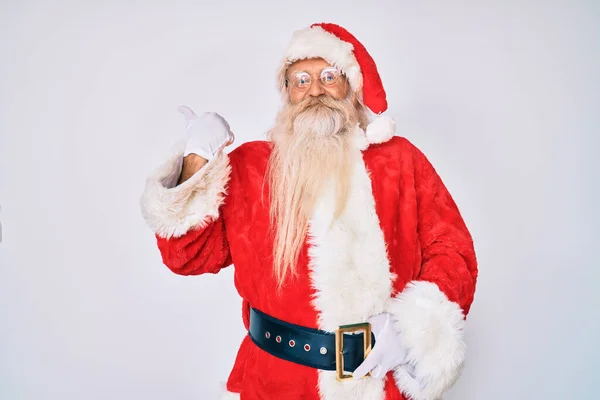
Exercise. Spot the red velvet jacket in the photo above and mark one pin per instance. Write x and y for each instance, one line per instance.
(400, 246)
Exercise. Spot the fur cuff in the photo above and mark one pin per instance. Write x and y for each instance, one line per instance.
(169, 210)
(432, 329)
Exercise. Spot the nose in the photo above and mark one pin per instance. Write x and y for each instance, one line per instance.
(316, 89)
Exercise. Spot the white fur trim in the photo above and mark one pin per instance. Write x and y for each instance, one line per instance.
(171, 210)
(317, 42)
(432, 329)
(350, 273)
(381, 129)
(229, 396)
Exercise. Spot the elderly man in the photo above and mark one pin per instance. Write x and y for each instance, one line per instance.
(354, 264)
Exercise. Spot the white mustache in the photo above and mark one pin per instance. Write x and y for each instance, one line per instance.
(320, 121)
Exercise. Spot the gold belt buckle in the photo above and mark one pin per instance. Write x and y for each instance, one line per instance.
(339, 346)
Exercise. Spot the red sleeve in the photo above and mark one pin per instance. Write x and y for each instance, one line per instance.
(199, 251)
(429, 313)
(447, 247)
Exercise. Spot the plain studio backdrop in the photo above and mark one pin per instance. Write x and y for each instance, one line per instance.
(503, 97)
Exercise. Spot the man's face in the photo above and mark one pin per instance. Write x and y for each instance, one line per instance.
(315, 77)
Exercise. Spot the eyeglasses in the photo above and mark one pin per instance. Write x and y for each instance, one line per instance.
(302, 80)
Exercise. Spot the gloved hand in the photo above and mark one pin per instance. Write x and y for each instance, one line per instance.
(388, 351)
(206, 134)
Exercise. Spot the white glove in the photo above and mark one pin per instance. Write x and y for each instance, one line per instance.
(388, 351)
(206, 134)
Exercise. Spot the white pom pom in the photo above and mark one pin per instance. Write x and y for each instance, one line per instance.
(381, 129)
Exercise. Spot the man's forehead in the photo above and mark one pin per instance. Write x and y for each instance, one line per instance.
(309, 65)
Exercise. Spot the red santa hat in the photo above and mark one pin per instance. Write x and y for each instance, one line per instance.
(341, 49)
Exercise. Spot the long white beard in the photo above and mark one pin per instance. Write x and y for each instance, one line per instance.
(312, 144)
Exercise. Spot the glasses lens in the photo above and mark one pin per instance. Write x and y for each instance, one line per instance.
(329, 76)
(301, 80)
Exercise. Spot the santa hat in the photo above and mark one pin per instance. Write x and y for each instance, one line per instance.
(341, 49)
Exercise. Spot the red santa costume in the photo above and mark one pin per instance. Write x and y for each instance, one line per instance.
(400, 246)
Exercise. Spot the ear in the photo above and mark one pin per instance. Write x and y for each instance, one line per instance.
(282, 83)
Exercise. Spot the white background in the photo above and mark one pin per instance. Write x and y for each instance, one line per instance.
(503, 97)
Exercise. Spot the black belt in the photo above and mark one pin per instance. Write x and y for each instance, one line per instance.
(311, 347)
